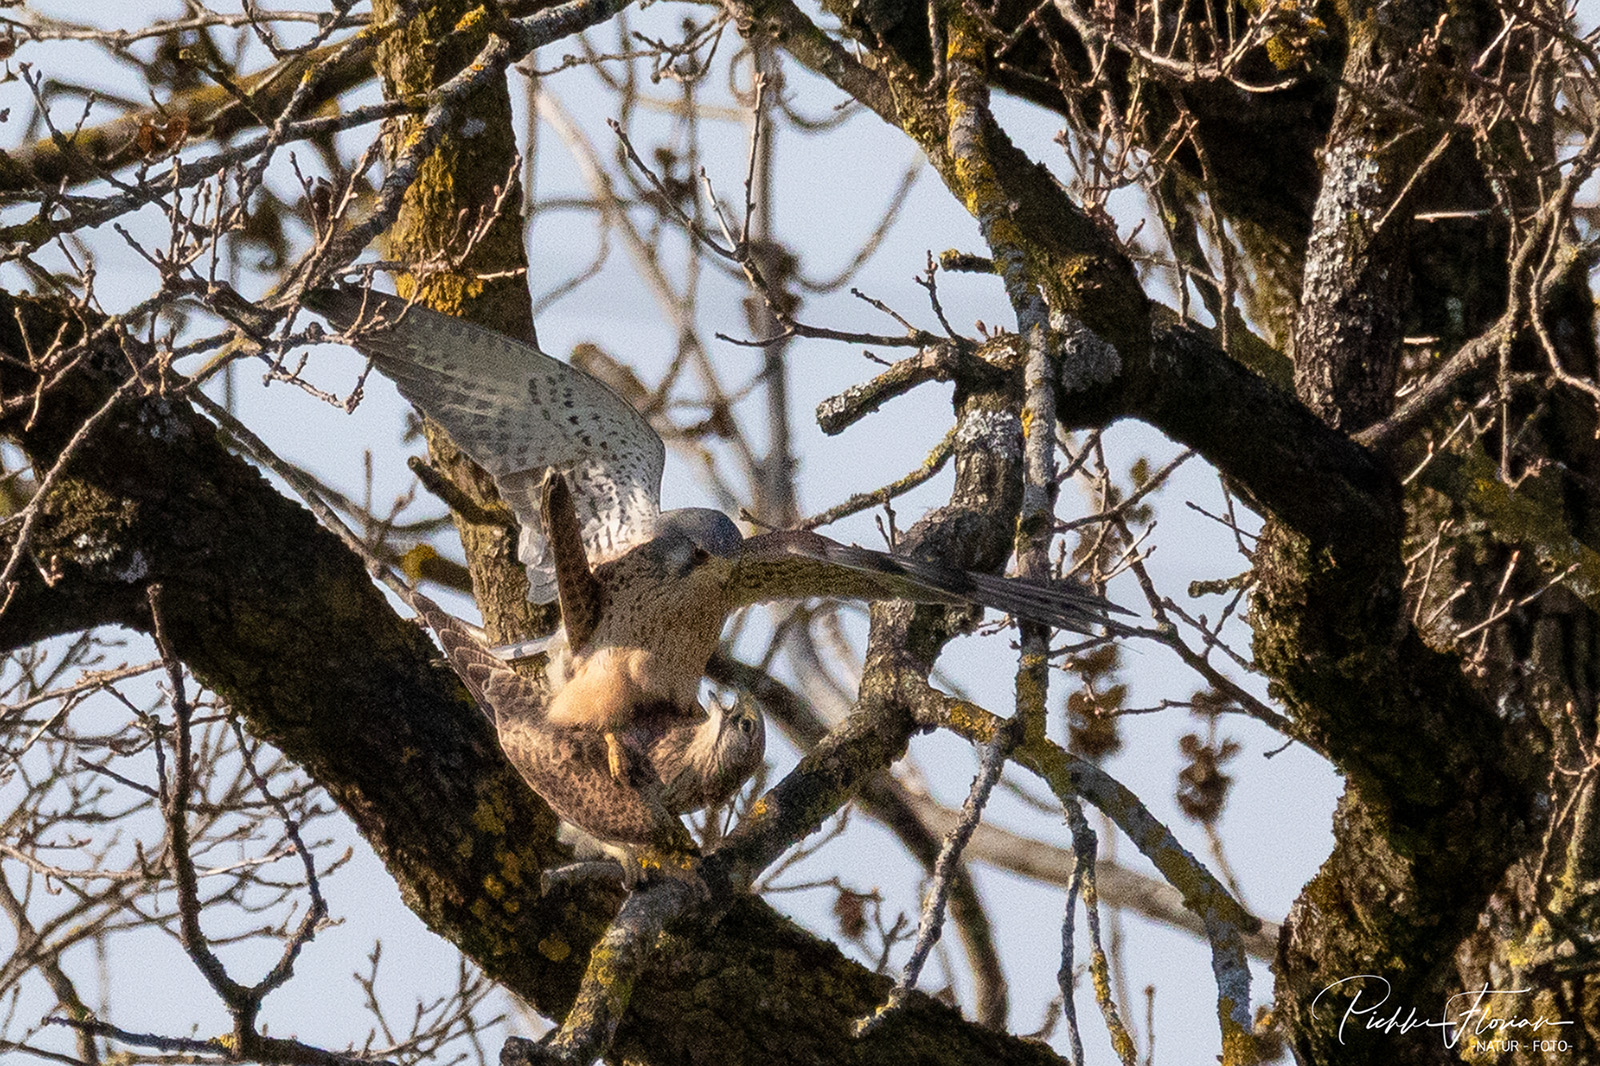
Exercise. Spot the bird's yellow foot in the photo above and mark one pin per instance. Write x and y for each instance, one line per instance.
(643, 864)
(617, 759)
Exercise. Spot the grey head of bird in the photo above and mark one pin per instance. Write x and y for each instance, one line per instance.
(691, 545)
(710, 530)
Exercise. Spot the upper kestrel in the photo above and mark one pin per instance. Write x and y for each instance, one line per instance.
(644, 593)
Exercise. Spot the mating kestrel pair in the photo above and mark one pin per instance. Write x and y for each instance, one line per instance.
(644, 593)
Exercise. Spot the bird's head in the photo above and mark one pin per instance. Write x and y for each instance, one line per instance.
(692, 536)
(704, 765)
(736, 753)
(695, 544)
(742, 736)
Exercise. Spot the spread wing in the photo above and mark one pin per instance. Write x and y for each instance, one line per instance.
(517, 412)
(799, 564)
(568, 768)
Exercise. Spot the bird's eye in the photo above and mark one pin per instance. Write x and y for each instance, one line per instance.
(700, 556)
(747, 725)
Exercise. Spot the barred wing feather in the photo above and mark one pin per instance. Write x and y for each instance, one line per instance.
(517, 412)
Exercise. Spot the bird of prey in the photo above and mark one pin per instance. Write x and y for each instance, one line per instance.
(678, 762)
(645, 593)
(634, 819)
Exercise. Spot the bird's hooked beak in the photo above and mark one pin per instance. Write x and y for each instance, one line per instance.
(725, 719)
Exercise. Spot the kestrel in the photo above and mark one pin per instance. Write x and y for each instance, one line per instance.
(568, 766)
(644, 593)
(685, 764)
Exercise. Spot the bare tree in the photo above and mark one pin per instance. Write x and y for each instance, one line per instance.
(1359, 287)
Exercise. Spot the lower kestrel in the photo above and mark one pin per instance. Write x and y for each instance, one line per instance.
(566, 766)
(682, 766)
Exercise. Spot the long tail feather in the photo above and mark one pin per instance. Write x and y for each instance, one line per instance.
(1062, 604)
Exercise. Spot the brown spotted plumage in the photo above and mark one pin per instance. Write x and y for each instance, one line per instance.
(566, 766)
